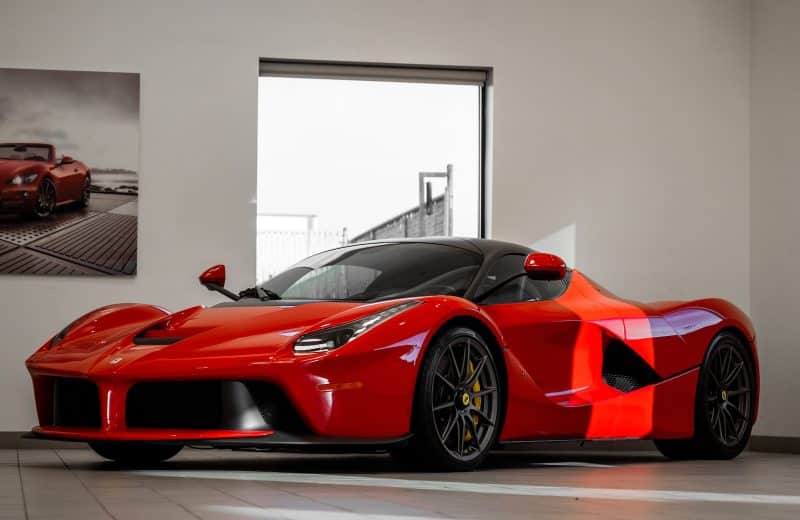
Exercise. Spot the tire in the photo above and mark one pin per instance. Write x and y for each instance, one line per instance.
(724, 404)
(139, 454)
(458, 404)
(45, 202)
(86, 194)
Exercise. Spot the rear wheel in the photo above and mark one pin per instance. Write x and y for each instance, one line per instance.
(86, 193)
(135, 453)
(724, 405)
(457, 406)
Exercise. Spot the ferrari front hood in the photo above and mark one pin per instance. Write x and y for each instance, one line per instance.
(198, 326)
(201, 334)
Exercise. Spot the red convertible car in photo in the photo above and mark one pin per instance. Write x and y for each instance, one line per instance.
(436, 350)
(34, 183)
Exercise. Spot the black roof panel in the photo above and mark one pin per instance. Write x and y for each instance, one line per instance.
(484, 246)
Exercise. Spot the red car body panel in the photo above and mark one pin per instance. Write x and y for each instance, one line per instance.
(67, 178)
(551, 358)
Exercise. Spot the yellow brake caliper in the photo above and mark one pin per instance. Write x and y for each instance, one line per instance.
(476, 401)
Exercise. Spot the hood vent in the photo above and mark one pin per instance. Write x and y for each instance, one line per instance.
(159, 334)
(170, 330)
(162, 340)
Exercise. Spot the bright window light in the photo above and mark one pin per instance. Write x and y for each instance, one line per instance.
(340, 160)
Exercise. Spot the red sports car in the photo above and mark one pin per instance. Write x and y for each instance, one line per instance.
(436, 350)
(33, 182)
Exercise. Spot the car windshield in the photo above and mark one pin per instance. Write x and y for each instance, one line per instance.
(21, 152)
(378, 272)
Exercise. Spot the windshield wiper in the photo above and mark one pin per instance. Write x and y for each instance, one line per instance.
(260, 293)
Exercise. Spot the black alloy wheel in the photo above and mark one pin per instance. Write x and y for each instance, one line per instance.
(725, 404)
(729, 394)
(86, 194)
(45, 199)
(458, 403)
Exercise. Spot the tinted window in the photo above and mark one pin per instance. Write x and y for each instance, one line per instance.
(501, 271)
(506, 283)
(379, 271)
(545, 289)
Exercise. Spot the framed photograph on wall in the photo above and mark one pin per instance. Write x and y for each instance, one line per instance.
(69, 162)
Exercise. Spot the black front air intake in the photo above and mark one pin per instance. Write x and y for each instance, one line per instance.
(211, 405)
(76, 403)
(624, 369)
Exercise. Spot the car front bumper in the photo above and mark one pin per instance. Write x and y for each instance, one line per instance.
(17, 198)
(363, 396)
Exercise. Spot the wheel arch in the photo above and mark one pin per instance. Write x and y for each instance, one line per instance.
(495, 346)
(48, 177)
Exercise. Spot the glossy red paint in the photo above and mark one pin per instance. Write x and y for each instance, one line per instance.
(551, 353)
(545, 266)
(68, 177)
(214, 275)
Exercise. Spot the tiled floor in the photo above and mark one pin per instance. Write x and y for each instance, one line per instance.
(75, 483)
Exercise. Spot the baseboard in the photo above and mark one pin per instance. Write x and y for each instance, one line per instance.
(775, 444)
(14, 441)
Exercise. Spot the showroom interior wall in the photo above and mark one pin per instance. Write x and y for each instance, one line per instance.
(626, 121)
(775, 192)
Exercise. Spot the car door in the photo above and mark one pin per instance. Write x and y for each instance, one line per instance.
(68, 179)
(558, 336)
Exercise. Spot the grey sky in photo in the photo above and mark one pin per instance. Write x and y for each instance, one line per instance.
(91, 116)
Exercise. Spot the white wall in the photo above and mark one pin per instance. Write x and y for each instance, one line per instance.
(625, 118)
(775, 200)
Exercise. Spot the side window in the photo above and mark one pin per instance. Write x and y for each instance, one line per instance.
(501, 271)
(505, 282)
(538, 290)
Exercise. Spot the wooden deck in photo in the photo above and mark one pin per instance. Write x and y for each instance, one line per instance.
(100, 240)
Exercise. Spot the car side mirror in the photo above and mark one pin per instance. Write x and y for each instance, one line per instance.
(213, 279)
(213, 276)
(66, 159)
(544, 266)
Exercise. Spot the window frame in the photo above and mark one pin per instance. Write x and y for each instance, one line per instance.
(478, 76)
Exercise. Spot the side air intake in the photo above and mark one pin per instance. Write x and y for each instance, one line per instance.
(625, 370)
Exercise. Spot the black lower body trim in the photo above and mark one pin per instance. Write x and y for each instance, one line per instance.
(278, 441)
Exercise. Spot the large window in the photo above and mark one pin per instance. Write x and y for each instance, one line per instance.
(351, 153)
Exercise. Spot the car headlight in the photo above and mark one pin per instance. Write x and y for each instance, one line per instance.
(27, 178)
(334, 337)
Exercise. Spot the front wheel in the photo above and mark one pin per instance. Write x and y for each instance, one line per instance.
(724, 405)
(457, 407)
(45, 202)
(135, 453)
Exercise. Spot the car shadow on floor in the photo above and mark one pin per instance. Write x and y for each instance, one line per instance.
(367, 464)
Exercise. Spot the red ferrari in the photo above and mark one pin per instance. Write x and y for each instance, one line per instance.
(437, 350)
(33, 182)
